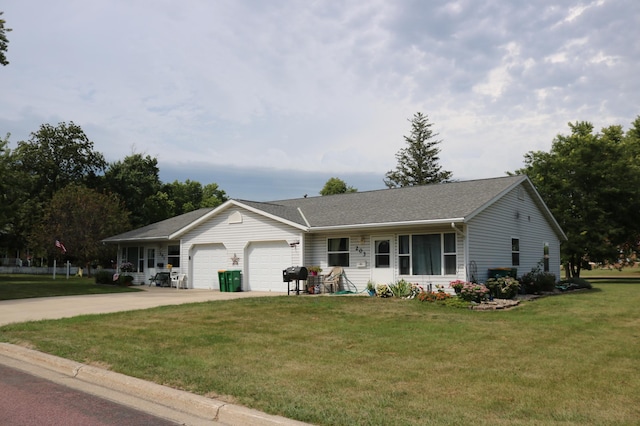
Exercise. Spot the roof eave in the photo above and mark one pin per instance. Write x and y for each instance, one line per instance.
(446, 221)
(134, 239)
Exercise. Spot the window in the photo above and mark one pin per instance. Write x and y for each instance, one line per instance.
(515, 252)
(151, 258)
(546, 257)
(133, 255)
(173, 256)
(338, 251)
(450, 266)
(141, 259)
(382, 254)
(427, 254)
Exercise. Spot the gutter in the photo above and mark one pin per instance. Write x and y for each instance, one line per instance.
(388, 224)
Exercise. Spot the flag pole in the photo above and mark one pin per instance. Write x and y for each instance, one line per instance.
(54, 269)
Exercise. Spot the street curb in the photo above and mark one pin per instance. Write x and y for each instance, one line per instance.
(195, 405)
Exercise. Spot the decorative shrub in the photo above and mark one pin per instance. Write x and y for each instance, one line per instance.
(474, 292)
(400, 289)
(538, 281)
(503, 287)
(125, 280)
(104, 277)
(383, 290)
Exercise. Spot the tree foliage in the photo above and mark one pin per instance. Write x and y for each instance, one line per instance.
(80, 217)
(336, 186)
(136, 179)
(418, 162)
(54, 157)
(7, 182)
(51, 159)
(591, 183)
(4, 41)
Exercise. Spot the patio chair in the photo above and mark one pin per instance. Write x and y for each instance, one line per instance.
(180, 281)
(331, 281)
(160, 279)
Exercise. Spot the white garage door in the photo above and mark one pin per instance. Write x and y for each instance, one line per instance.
(207, 261)
(267, 260)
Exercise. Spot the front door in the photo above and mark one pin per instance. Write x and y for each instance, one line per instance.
(382, 260)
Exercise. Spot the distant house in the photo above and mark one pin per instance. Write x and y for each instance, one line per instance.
(430, 234)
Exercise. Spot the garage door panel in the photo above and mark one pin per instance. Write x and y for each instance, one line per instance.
(207, 260)
(267, 260)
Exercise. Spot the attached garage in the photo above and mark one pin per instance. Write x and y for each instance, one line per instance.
(267, 260)
(207, 260)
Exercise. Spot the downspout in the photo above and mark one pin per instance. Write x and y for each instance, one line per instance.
(466, 252)
(458, 231)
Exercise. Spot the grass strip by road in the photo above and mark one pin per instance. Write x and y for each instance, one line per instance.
(17, 286)
(570, 359)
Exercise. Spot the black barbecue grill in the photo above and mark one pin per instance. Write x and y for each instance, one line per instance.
(294, 273)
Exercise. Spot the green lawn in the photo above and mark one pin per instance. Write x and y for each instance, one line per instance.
(20, 286)
(571, 359)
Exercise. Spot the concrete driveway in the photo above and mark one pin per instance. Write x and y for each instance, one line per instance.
(70, 306)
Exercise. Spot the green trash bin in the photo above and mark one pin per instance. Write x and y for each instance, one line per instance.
(234, 280)
(222, 279)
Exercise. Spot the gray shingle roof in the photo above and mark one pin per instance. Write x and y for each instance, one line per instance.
(160, 230)
(427, 203)
(434, 202)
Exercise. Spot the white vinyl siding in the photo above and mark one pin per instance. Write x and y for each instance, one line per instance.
(237, 229)
(489, 235)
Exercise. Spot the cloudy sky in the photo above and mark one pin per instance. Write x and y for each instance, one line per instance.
(270, 98)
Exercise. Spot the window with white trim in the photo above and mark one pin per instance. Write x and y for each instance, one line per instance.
(545, 256)
(427, 254)
(338, 251)
(515, 251)
(151, 258)
(135, 256)
(173, 256)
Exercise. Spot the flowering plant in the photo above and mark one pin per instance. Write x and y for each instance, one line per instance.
(126, 267)
(474, 292)
(457, 285)
(503, 287)
(383, 290)
(433, 296)
(415, 291)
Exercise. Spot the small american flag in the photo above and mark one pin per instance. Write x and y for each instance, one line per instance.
(61, 246)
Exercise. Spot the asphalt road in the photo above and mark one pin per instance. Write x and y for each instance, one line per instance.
(27, 400)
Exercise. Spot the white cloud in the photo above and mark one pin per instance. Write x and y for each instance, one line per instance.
(324, 86)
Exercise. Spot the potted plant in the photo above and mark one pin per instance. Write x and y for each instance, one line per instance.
(371, 288)
(125, 278)
(314, 270)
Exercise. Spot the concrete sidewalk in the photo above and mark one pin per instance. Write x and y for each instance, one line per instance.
(179, 406)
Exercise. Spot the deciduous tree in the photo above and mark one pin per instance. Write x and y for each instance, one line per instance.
(136, 179)
(590, 184)
(80, 217)
(336, 186)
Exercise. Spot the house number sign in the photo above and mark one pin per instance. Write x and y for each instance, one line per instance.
(361, 251)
